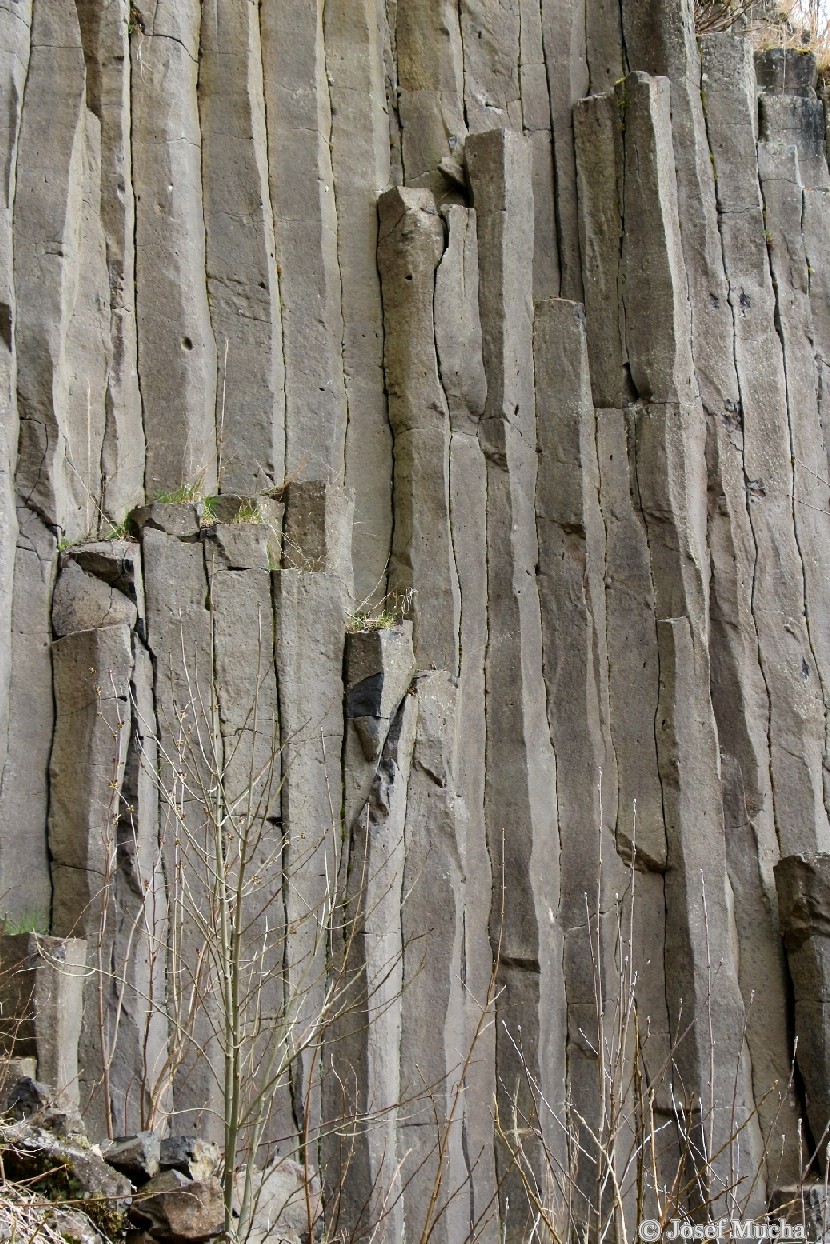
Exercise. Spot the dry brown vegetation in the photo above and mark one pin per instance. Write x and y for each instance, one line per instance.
(800, 24)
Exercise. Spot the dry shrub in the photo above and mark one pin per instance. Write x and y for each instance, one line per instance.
(800, 24)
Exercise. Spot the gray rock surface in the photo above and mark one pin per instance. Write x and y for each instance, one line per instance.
(432, 931)
(520, 789)
(242, 282)
(43, 986)
(180, 1209)
(298, 108)
(289, 294)
(177, 350)
(410, 247)
(802, 883)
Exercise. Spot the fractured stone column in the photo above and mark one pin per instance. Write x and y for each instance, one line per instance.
(61, 281)
(746, 684)
(42, 987)
(15, 29)
(520, 789)
(176, 347)
(458, 340)
(705, 1004)
(433, 1057)
(360, 153)
(24, 792)
(105, 35)
(242, 281)
(410, 246)
(566, 26)
(570, 576)
(190, 759)
(775, 577)
(103, 833)
(362, 1071)
(298, 109)
(660, 39)
(310, 610)
(786, 168)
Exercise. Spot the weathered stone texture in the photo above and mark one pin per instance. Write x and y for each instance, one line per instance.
(361, 169)
(410, 246)
(105, 35)
(15, 29)
(298, 109)
(520, 788)
(176, 345)
(473, 441)
(242, 285)
(24, 793)
(310, 608)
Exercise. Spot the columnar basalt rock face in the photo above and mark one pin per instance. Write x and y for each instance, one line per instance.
(414, 452)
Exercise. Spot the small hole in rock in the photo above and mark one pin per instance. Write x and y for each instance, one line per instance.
(187, 344)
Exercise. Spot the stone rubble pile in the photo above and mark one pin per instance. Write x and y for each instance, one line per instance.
(144, 1187)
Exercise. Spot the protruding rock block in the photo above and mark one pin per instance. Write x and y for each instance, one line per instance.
(804, 910)
(246, 521)
(135, 1156)
(116, 563)
(792, 121)
(42, 986)
(410, 247)
(83, 602)
(786, 71)
(317, 533)
(186, 1210)
(379, 669)
(180, 519)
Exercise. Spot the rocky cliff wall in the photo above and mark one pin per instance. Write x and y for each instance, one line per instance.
(461, 371)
